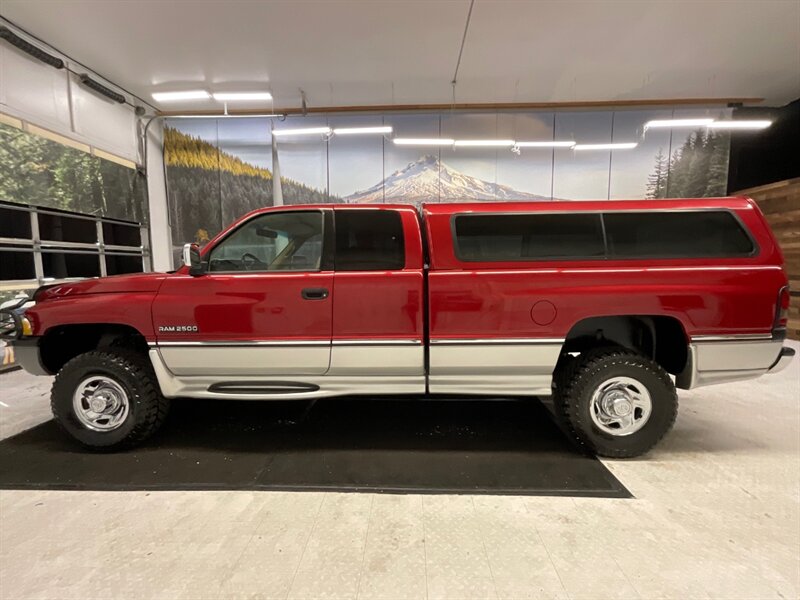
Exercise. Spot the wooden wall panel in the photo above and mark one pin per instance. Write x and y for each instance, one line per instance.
(780, 203)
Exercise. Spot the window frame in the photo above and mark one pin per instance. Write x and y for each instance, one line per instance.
(607, 256)
(326, 259)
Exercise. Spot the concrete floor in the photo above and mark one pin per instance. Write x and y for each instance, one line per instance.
(716, 515)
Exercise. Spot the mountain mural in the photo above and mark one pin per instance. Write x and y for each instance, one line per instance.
(428, 179)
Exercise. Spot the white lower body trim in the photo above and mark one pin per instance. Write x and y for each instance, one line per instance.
(198, 386)
(240, 361)
(519, 367)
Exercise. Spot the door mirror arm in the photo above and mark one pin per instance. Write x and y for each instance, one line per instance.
(191, 259)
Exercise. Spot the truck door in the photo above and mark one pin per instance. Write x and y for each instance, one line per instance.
(378, 308)
(263, 306)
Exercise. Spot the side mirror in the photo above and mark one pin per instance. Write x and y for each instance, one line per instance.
(191, 259)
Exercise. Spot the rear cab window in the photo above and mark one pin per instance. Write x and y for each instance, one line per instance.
(369, 240)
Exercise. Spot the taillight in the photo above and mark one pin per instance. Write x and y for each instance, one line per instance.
(782, 308)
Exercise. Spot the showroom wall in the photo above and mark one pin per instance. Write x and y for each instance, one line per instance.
(218, 169)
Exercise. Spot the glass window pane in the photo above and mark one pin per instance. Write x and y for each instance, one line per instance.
(119, 264)
(281, 241)
(701, 234)
(369, 240)
(528, 237)
(60, 265)
(119, 234)
(62, 228)
(15, 223)
(16, 265)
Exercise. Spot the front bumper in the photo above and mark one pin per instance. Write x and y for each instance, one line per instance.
(27, 355)
(783, 360)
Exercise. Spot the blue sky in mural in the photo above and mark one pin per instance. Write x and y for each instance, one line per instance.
(361, 168)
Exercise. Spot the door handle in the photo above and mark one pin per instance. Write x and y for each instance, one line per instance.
(314, 293)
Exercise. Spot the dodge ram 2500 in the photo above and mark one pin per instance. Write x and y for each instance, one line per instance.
(606, 306)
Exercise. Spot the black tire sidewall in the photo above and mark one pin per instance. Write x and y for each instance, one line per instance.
(662, 395)
(73, 373)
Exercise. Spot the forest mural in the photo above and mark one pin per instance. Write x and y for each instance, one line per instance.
(698, 169)
(219, 169)
(38, 171)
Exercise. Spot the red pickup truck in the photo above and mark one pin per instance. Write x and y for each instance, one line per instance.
(608, 306)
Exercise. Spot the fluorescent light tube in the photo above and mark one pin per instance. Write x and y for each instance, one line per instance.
(360, 130)
(241, 96)
(174, 96)
(423, 141)
(673, 123)
(739, 124)
(554, 144)
(618, 146)
(485, 143)
(305, 131)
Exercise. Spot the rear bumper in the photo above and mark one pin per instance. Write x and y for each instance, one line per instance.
(723, 359)
(783, 360)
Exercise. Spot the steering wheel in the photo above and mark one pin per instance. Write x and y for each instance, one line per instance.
(249, 261)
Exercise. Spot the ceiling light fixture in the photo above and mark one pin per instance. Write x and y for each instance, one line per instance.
(553, 144)
(360, 130)
(177, 96)
(485, 143)
(423, 141)
(760, 124)
(617, 146)
(674, 123)
(241, 96)
(305, 131)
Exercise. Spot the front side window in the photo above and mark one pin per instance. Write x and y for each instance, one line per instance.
(280, 241)
(520, 237)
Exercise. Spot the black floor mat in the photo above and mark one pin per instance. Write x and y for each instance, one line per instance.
(420, 446)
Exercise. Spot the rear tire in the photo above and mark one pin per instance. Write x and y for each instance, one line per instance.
(615, 402)
(108, 399)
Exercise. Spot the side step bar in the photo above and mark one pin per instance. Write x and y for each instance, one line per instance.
(262, 387)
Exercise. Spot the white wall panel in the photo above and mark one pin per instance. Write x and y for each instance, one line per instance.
(110, 125)
(34, 90)
(55, 100)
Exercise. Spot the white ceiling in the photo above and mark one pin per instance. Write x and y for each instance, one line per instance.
(404, 52)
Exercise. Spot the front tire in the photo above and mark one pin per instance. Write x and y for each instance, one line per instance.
(616, 403)
(108, 399)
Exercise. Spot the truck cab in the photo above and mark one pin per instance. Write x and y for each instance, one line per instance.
(607, 306)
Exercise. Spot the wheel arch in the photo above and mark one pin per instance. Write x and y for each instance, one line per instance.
(61, 343)
(662, 338)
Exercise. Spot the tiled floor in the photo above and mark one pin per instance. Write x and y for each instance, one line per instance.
(716, 515)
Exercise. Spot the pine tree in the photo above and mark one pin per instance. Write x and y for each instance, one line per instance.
(657, 181)
(717, 180)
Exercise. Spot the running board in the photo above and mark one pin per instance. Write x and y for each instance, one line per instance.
(262, 387)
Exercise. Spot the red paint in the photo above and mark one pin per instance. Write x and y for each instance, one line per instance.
(482, 300)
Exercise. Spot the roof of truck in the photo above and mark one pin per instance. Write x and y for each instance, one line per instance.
(733, 203)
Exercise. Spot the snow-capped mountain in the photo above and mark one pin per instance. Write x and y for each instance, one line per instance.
(430, 180)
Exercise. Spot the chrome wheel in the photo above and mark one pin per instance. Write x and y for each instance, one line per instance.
(621, 406)
(100, 403)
